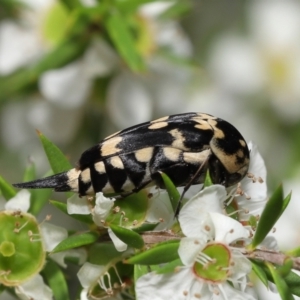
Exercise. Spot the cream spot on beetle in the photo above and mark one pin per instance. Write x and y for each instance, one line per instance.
(144, 155)
(73, 175)
(109, 147)
(158, 125)
(172, 153)
(178, 139)
(160, 119)
(116, 162)
(196, 157)
(100, 167)
(205, 116)
(218, 133)
(243, 143)
(85, 175)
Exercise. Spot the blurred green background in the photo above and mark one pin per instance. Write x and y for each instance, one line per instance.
(80, 70)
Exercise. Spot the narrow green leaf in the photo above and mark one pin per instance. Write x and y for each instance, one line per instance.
(162, 253)
(286, 202)
(128, 236)
(7, 189)
(130, 6)
(293, 252)
(63, 207)
(139, 271)
(261, 274)
(283, 289)
(269, 216)
(29, 173)
(207, 180)
(177, 10)
(75, 241)
(286, 268)
(171, 189)
(170, 267)
(145, 227)
(56, 281)
(103, 253)
(293, 282)
(123, 40)
(57, 159)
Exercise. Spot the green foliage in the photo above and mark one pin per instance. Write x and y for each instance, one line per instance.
(75, 241)
(162, 253)
(271, 213)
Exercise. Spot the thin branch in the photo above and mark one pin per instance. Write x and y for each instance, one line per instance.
(263, 255)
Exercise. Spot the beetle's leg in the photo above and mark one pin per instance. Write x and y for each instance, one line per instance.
(188, 185)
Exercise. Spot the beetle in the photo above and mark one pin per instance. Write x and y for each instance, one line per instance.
(183, 146)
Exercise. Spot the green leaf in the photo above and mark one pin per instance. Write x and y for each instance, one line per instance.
(123, 40)
(75, 241)
(7, 189)
(139, 271)
(286, 268)
(207, 180)
(130, 6)
(63, 207)
(104, 253)
(128, 236)
(293, 282)
(272, 211)
(145, 227)
(162, 253)
(171, 189)
(282, 287)
(177, 10)
(293, 252)
(29, 173)
(57, 159)
(170, 267)
(261, 274)
(56, 281)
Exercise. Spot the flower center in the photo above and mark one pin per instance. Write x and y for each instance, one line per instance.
(213, 263)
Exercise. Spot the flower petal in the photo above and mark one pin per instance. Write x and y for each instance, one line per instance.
(102, 208)
(77, 205)
(193, 217)
(20, 202)
(67, 86)
(228, 292)
(160, 211)
(59, 257)
(52, 235)
(89, 273)
(34, 288)
(120, 245)
(189, 248)
(180, 285)
(227, 229)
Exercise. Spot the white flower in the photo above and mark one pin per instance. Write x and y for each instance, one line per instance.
(80, 254)
(253, 187)
(19, 202)
(266, 61)
(34, 288)
(52, 235)
(77, 205)
(208, 259)
(90, 274)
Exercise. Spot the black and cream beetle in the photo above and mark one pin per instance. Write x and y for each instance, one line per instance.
(184, 146)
